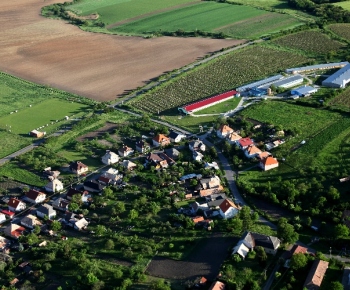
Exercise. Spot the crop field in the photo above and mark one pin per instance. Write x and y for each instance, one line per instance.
(12, 171)
(111, 11)
(342, 29)
(310, 41)
(220, 75)
(342, 100)
(259, 25)
(44, 113)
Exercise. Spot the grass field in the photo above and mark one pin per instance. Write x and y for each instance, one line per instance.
(309, 41)
(220, 108)
(10, 143)
(223, 74)
(41, 114)
(342, 29)
(111, 11)
(191, 123)
(345, 5)
(21, 175)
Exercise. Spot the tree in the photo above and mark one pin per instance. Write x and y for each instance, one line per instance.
(36, 230)
(73, 206)
(193, 182)
(100, 230)
(91, 279)
(56, 226)
(119, 207)
(108, 192)
(336, 285)
(286, 232)
(159, 285)
(341, 231)
(245, 216)
(109, 245)
(298, 261)
(133, 214)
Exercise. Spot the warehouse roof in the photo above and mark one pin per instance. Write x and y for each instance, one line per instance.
(304, 90)
(339, 78)
(284, 81)
(259, 83)
(316, 67)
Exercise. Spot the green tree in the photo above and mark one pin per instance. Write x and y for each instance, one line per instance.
(56, 226)
(133, 214)
(245, 216)
(298, 261)
(109, 244)
(73, 206)
(100, 230)
(286, 232)
(91, 279)
(36, 230)
(159, 285)
(119, 207)
(341, 231)
(336, 285)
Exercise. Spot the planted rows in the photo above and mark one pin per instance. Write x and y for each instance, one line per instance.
(342, 29)
(342, 99)
(310, 41)
(225, 73)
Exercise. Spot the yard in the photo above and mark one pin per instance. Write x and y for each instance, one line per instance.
(191, 123)
(220, 108)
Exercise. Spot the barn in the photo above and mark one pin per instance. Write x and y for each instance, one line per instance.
(37, 134)
(339, 79)
(208, 102)
(316, 67)
(303, 91)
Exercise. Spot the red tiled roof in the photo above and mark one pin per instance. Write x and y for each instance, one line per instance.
(14, 202)
(217, 286)
(161, 138)
(226, 204)
(7, 212)
(104, 179)
(298, 249)
(210, 100)
(33, 194)
(269, 161)
(18, 232)
(225, 129)
(245, 142)
(197, 219)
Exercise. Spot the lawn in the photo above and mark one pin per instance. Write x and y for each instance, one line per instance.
(191, 123)
(112, 11)
(345, 5)
(220, 108)
(92, 163)
(40, 114)
(12, 171)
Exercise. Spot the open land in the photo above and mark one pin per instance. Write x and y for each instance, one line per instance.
(345, 5)
(53, 53)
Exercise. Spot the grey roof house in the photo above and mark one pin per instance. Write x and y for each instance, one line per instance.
(46, 210)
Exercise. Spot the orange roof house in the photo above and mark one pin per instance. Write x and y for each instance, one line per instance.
(268, 163)
(14, 231)
(217, 285)
(264, 154)
(224, 131)
(197, 219)
(160, 140)
(228, 209)
(316, 274)
(234, 137)
(252, 151)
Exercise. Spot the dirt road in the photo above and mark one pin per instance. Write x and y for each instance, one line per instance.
(98, 66)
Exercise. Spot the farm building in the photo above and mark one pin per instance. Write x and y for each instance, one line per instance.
(208, 102)
(303, 91)
(284, 83)
(316, 274)
(37, 134)
(339, 79)
(257, 92)
(259, 83)
(315, 67)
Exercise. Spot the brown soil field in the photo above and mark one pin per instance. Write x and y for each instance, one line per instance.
(205, 260)
(98, 66)
(108, 127)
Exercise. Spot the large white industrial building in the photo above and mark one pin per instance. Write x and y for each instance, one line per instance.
(339, 79)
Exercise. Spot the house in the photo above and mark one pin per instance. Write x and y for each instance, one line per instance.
(212, 165)
(54, 185)
(37, 134)
(142, 146)
(113, 175)
(241, 249)
(233, 138)
(14, 231)
(81, 224)
(125, 151)
(217, 285)
(269, 243)
(212, 182)
(210, 191)
(46, 210)
(60, 204)
(160, 140)
(268, 163)
(105, 180)
(196, 146)
(194, 207)
(197, 219)
(197, 156)
(243, 143)
(9, 214)
(78, 167)
(316, 274)
(50, 173)
(169, 160)
(128, 165)
(224, 131)
(228, 209)
(176, 137)
(35, 196)
(4, 243)
(2, 218)
(264, 155)
(13, 282)
(252, 151)
(297, 249)
(172, 153)
(93, 186)
(84, 195)
(30, 221)
(16, 205)
(109, 158)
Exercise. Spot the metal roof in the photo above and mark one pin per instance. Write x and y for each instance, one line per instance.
(305, 90)
(317, 66)
(259, 83)
(339, 78)
(287, 80)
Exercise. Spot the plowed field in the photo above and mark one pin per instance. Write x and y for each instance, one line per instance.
(98, 66)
